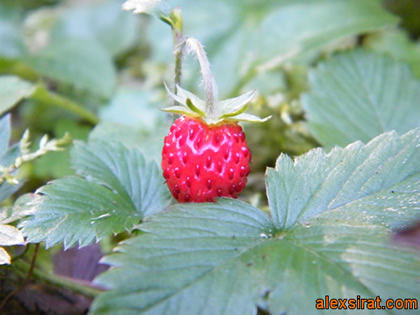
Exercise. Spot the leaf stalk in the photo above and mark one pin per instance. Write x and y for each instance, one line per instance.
(45, 96)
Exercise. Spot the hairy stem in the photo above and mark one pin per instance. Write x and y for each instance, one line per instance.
(194, 46)
(42, 95)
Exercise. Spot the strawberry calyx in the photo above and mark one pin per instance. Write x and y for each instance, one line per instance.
(232, 109)
(209, 110)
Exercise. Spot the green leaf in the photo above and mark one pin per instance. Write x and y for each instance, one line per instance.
(103, 22)
(73, 210)
(9, 235)
(6, 190)
(13, 90)
(149, 142)
(11, 40)
(323, 25)
(117, 189)
(4, 134)
(190, 251)
(359, 95)
(7, 156)
(133, 118)
(12, 214)
(135, 108)
(398, 45)
(124, 171)
(229, 257)
(246, 35)
(379, 178)
(81, 63)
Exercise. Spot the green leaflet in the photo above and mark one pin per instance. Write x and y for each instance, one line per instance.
(81, 63)
(359, 95)
(229, 257)
(12, 90)
(116, 189)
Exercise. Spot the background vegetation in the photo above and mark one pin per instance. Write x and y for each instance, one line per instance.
(339, 75)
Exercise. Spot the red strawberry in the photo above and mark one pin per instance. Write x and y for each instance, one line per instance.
(205, 155)
(201, 162)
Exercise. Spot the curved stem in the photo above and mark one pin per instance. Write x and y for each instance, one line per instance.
(76, 286)
(41, 94)
(195, 47)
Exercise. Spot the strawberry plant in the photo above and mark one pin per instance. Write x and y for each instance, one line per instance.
(148, 182)
(205, 154)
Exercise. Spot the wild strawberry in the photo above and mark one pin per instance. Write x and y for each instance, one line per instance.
(201, 162)
(205, 154)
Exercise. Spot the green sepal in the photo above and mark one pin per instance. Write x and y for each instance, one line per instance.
(232, 109)
(234, 106)
(181, 110)
(248, 118)
(167, 20)
(195, 109)
(227, 116)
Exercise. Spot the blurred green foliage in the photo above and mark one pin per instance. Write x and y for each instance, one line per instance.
(112, 63)
(84, 50)
(89, 68)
